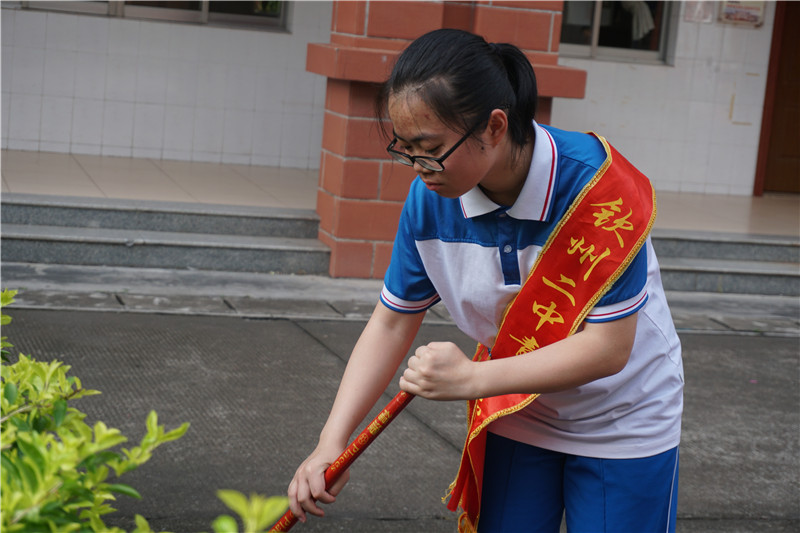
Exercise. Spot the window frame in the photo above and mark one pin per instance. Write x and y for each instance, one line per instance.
(89, 8)
(118, 8)
(666, 41)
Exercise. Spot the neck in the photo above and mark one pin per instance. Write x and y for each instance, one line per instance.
(504, 188)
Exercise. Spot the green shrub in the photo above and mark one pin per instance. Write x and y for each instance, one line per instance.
(55, 467)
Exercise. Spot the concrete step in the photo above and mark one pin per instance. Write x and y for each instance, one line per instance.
(734, 246)
(134, 233)
(728, 262)
(35, 209)
(137, 233)
(730, 276)
(162, 249)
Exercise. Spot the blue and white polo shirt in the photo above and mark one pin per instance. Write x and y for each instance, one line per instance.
(473, 254)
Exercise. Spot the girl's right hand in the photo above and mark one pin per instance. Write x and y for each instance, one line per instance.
(308, 485)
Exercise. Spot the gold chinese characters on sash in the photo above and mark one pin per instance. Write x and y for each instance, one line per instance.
(591, 246)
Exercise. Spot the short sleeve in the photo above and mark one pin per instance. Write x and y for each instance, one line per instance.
(627, 295)
(407, 288)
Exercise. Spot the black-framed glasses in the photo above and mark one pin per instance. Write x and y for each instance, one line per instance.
(435, 164)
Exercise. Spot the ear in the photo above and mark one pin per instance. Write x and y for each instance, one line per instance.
(497, 127)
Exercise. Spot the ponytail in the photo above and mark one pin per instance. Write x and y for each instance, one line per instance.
(523, 83)
(462, 78)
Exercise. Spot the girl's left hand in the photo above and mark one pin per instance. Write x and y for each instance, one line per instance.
(439, 371)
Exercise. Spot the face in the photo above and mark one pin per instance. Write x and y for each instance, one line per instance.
(420, 133)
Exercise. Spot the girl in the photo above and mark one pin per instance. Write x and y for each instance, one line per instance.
(536, 240)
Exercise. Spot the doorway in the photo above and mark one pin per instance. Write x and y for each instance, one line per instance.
(778, 168)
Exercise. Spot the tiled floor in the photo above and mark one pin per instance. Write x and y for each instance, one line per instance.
(771, 214)
(151, 179)
(179, 181)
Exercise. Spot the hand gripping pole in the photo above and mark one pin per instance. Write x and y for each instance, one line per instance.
(355, 449)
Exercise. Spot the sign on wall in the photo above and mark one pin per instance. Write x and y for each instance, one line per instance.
(746, 13)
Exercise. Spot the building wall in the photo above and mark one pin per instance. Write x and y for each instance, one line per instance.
(690, 127)
(125, 87)
(99, 85)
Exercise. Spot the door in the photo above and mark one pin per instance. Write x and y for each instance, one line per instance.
(779, 154)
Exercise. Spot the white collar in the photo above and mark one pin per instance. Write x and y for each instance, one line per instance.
(536, 198)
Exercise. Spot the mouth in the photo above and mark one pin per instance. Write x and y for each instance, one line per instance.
(431, 185)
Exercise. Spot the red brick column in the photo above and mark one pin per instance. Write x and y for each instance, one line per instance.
(361, 190)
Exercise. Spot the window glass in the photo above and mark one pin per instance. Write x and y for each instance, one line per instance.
(614, 31)
(169, 5)
(93, 7)
(242, 14)
(260, 9)
(576, 25)
(248, 13)
(177, 11)
(629, 25)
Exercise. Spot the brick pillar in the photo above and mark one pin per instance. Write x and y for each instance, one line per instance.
(361, 190)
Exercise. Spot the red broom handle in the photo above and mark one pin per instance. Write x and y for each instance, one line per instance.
(355, 449)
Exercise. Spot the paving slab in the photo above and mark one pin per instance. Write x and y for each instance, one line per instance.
(691, 321)
(282, 307)
(775, 325)
(161, 282)
(175, 304)
(51, 299)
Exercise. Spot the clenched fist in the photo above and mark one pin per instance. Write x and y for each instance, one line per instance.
(440, 371)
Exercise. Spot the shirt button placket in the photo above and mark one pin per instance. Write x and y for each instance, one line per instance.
(506, 229)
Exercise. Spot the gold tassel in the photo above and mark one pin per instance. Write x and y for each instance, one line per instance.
(465, 525)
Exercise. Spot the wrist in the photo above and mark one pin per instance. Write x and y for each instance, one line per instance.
(476, 382)
(329, 443)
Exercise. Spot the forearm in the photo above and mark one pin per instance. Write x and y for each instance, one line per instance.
(599, 351)
(375, 358)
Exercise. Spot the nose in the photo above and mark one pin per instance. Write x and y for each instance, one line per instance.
(420, 169)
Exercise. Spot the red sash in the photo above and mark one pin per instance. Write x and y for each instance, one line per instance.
(589, 249)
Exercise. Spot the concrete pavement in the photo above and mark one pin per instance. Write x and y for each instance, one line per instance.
(253, 362)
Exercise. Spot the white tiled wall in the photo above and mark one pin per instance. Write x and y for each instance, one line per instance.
(690, 127)
(100, 85)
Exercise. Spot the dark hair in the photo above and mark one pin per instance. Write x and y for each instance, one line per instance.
(462, 78)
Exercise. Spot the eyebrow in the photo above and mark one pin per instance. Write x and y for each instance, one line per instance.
(415, 140)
